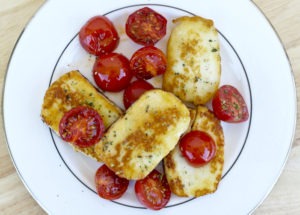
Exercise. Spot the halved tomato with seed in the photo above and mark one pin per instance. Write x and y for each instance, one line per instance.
(99, 36)
(229, 105)
(81, 126)
(153, 191)
(108, 184)
(146, 26)
(148, 62)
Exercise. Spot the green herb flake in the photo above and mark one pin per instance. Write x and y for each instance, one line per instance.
(214, 50)
(147, 108)
(90, 104)
(236, 106)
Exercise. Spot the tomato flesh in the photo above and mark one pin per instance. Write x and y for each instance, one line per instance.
(98, 36)
(148, 62)
(146, 27)
(229, 105)
(153, 191)
(108, 184)
(197, 147)
(81, 126)
(134, 91)
(111, 72)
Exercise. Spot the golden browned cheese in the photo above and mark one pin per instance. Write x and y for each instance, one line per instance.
(135, 144)
(193, 56)
(190, 181)
(73, 90)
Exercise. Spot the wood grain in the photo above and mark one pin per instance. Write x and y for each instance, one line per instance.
(284, 15)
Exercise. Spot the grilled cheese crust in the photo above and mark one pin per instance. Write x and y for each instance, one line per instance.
(135, 144)
(72, 90)
(193, 57)
(189, 181)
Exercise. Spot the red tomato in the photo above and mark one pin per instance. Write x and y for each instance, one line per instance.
(146, 27)
(81, 126)
(112, 72)
(108, 184)
(153, 191)
(229, 105)
(197, 147)
(98, 36)
(134, 91)
(148, 62)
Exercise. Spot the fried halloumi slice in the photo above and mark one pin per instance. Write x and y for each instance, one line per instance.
(135, 144)
(194, 63)
(187, 180)
(72, 90)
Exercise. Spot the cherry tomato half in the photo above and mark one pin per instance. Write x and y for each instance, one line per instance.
(148, 62)
(134, 91)
(229, 105)
(98, 36)
(197, 147)
(108, 184)
(112, 72)
(146, 27)
(153, 191)
(81, 126)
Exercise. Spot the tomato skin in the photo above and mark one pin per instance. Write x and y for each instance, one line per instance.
(148, 62)
(134, 91)
(108, 184)
(81, 126)
(229, 105)
(153, 191)
(111, 72)
(197, 147)
(146, 27)
(98, 36)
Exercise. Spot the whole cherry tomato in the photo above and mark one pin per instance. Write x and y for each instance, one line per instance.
(197, 147)
(134, 91)
(148, 62)
(81, 126)
(112, 72)
(153, 191)
(229, 105)
(98, 36)
(146, 27)
(108, 184)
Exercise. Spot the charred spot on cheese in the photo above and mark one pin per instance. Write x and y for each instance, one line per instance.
(73, 90)
(194, 65)
(186, 180)
(138, 141)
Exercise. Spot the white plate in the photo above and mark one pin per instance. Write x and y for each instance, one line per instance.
(253, 60)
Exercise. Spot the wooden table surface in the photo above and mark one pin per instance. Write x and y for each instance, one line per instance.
(284, 16)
